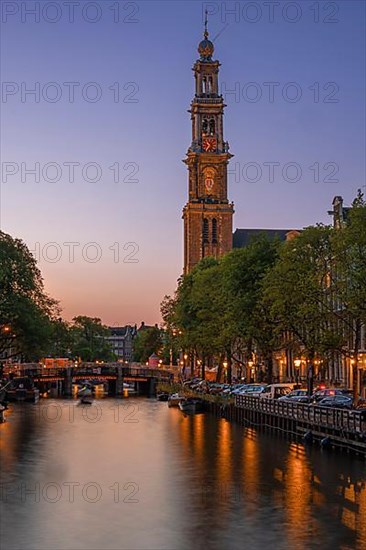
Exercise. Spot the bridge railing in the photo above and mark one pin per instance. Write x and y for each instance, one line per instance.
(95, 371)
(312, 414)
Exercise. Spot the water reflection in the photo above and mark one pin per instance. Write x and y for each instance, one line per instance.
(148, 477)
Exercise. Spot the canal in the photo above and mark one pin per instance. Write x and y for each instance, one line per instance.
(134, 474)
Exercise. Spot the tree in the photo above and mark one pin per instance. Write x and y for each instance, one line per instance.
(213, 306)
(245, 324)
(148, 341)
(89, 339)
(61, 339)
(349, 281)
(207, 300)
(171, 332)
(26, 311)
(193, 310)
(299, 294)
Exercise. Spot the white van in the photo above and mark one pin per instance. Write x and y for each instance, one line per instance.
(274, 391)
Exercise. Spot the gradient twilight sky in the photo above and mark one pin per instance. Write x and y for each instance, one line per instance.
(150, 135)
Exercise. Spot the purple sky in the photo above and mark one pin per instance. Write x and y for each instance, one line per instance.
(299, 81)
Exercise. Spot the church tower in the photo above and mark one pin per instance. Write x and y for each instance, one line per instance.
(208, 214)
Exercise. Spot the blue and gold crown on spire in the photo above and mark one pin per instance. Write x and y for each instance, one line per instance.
(206, 47)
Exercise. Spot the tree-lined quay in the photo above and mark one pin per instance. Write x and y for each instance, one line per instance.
(308, 420)
(303, 300)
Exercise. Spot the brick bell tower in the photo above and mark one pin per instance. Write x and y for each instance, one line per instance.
(208, 215)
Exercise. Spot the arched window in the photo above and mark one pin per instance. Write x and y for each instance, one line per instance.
(212, 126)
(214, 231)
(204, 83)
(204, 126)
(205, 231)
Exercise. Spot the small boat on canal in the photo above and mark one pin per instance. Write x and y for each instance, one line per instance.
(85, 391)
(162, 396)
(191, 405)
(86, 400)
(22, 389)
(2, 413)
(174, 400)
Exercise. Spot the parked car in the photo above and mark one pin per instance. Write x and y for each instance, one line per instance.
(216, 389)
(336, 401)
(347, 391)
(253, 389)
(191, 382)
(296, 396)
(201, 387)
(274, 391)
(326, 392)
(238, 388)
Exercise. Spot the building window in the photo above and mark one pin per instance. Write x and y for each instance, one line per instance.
(214, 231)
(212, 126)
(205, 231)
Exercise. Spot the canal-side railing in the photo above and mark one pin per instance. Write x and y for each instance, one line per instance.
(326, 417)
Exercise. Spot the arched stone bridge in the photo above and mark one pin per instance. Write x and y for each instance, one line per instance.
(113, 373)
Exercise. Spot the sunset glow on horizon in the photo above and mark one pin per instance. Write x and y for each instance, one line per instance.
(95, 127)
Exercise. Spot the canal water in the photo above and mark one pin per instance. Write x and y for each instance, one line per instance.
(134, 474)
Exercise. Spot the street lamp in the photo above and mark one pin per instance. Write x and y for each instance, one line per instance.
(297, 364)
(185, 357)
(225, 370)
(251, 367)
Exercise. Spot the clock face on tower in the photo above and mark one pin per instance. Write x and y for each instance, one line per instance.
(209, 144)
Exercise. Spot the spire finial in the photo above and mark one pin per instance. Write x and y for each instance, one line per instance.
(205, 34)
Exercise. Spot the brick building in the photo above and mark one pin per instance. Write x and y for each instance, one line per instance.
(208, 215)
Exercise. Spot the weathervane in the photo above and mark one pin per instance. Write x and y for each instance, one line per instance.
(205, 34)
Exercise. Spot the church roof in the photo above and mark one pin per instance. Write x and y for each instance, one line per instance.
(243, 237)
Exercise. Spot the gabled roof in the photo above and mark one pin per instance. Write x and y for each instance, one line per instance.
(121, 331)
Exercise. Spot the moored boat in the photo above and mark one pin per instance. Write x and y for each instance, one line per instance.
(174, 400)
(22, 389)
(85, 391)
(86, 400)
(191, 405)
(2, 413)
(162, 396)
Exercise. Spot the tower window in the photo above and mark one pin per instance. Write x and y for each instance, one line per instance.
(214, 231)
(204, 126)
(205, 231)
(212, 126)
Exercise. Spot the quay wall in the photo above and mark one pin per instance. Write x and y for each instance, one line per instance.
(328, 427)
